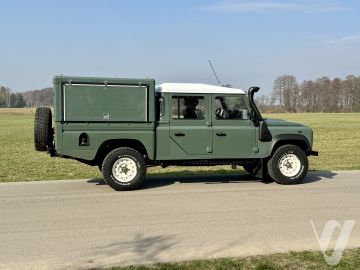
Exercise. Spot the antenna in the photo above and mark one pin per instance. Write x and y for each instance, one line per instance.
(214, 72)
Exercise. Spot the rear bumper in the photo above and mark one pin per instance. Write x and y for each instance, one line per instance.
(313, 153)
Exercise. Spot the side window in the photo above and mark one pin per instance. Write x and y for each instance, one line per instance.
(231, 108)
(188, 107)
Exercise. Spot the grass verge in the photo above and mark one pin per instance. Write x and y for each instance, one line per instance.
(292, 260)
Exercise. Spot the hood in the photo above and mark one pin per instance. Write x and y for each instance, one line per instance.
(280, 122)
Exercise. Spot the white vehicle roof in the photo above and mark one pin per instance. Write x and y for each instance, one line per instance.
(196, 88)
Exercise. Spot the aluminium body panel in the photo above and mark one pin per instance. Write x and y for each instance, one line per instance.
(105, 103)
(104, 109)
(199, 138)
(98, 133)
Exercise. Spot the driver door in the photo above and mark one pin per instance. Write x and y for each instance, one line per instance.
(234, 134)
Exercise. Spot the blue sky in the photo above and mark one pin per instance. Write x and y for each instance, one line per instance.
(249, 42)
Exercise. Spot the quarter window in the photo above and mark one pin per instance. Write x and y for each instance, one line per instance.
(188, 107)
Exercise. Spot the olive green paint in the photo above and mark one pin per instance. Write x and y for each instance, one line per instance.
(108, 109)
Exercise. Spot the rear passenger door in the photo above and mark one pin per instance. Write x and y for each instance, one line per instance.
(190, 126)
(234, 133)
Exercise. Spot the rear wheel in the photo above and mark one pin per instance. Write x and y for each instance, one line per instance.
(288, 165)
(43, 132)
(124, 169)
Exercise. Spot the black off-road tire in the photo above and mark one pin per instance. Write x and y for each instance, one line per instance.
(274, 165)
(43, 132)
(127, 154)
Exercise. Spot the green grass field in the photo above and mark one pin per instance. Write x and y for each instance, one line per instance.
(336, 137)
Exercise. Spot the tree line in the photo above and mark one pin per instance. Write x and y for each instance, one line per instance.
(33, 98)
(322, 95)
(37, 98)
(8, 99)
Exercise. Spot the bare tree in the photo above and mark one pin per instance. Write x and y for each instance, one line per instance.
(322, 95)
(286, 91)
(308, 96)
(351, 92)
(264, 103)
(36, 98)
(278, 91)
(5, 93)
(334, 98)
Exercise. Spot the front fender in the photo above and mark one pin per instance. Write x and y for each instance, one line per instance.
(295, 139)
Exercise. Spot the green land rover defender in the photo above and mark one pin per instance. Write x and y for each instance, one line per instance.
(125, 125)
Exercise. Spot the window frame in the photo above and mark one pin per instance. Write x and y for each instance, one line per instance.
(182, 95)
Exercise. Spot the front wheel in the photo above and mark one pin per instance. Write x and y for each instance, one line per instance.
(288, 165)
(124, 169)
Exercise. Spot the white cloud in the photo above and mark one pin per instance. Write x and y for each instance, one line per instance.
(345, 40)
(322, 41)
(272, 6)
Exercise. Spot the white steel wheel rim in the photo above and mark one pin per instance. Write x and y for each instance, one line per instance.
(289, 165)
(124, 170)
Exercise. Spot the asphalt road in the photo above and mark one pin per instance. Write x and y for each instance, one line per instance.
(84, 223)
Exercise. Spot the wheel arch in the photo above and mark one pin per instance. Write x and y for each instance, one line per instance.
(294, 139)
(107, 146)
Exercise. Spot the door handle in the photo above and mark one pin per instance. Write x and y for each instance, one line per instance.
(178, 134)
(220, 134)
